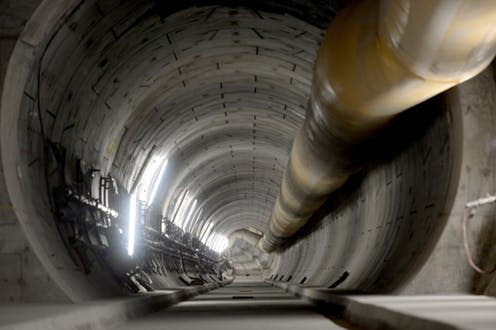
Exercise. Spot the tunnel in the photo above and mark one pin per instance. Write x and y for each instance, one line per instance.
(144, 145)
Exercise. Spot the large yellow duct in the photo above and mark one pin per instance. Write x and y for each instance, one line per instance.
(378, 58)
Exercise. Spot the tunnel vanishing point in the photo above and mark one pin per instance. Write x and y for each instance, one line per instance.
(153, 144)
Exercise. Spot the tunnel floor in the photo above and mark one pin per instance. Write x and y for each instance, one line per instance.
(257, 305)
(241, 305)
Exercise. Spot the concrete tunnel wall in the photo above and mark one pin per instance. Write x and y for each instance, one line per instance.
(22, 277)
(220, 91)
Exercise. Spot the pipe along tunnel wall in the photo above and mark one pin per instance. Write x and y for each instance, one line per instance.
(220, 91)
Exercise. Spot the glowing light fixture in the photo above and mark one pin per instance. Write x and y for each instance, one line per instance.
(192, 226)
(132, 225)
(178, 209)
(220, 243)
(190, 213)
(156, 184)
(204, 236)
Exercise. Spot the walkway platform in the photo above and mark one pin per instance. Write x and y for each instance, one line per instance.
(403, 312)
(258, 305)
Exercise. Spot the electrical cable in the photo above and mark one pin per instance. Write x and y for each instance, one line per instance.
(467, 249)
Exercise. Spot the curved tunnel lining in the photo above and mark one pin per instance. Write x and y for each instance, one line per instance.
(9, 143)
(38, 229)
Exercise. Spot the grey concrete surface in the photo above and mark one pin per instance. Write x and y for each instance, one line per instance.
(22, 276)
(403, 312)
(102, 314)
(242, 305)
(447, 270)
(419, 311)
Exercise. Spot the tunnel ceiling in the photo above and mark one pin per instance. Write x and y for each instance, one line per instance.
(217, 90)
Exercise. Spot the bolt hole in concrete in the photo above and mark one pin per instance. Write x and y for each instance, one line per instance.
(242, 297)
(340, 280)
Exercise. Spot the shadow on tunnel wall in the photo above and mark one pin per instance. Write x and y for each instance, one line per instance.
(406, 129)
(316, 12)
(394, 209)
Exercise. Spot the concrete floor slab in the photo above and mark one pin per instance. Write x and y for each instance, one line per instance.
(101, 314)
(405, 312)
(238, 306)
